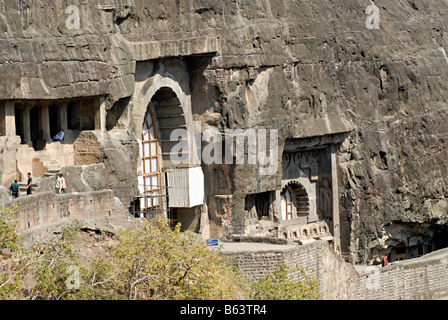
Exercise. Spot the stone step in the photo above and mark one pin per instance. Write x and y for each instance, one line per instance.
(171, 116)
(170, 112)
(168, 106)
(48, 162)
(52, 172)
(23, 185)
(26, 148)
(172, 121)
(173, 127)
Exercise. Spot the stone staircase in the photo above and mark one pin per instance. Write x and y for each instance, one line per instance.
(23, 185)
(41, 163)
(52, 172)
(48, 162)
(36, 180)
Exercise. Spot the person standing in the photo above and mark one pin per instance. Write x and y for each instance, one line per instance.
(29, 187)
(14, 190)
(385, 261)
(63, 186)
(58, 184)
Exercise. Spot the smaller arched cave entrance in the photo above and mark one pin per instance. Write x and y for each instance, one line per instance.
(310, 183)
(295, 202)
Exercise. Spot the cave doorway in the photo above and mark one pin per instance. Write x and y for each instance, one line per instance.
(295, 202)
(163, 118)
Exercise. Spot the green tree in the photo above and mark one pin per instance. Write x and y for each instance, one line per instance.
(151, 261)
(159, 263)
(59, 274)
(100, 282)
(52, 268)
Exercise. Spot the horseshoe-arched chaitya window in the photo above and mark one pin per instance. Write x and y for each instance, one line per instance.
(150, 165)
(295, 202)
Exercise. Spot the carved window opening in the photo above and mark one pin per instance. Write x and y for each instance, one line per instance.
(35, 128)
(401, 252)
(259, 205)
(262, 204)
(18, 113)
(80, 115)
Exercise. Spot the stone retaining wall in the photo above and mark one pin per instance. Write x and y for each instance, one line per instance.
(423, 278)
(257, 260)
(40, 214)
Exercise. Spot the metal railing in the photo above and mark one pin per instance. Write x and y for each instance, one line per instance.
(235, 231)
(151, 212)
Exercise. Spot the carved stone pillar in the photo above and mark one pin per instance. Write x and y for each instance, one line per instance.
(335, 196)
(45, 123)
(100, 114)
(10, 119)
(63, 115)
(27, 126)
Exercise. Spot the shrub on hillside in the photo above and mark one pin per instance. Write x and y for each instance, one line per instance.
(150, 262)
(280, 285)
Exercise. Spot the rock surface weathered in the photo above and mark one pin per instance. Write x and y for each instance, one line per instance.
(307, 68)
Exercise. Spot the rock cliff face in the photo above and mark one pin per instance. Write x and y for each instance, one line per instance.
(306, 68)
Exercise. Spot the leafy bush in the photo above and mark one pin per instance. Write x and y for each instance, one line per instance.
(151, 261)
(51, 269)
(12, 264)
(280, 285)
(8, 230)
(158, 263)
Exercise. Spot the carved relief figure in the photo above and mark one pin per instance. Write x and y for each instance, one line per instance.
(325, 198)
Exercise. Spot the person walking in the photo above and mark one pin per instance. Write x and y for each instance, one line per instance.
(63, 186)
(14, 190)
(29, 187)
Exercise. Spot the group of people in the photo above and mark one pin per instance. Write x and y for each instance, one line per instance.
(61, 185)
(14, 190)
